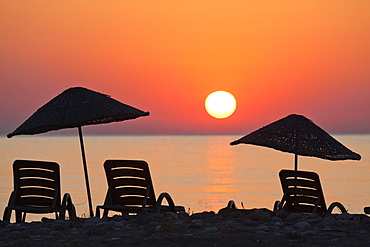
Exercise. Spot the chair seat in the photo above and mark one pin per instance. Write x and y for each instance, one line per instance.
(35, 210)
(133, 209)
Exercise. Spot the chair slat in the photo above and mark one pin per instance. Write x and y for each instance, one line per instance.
(38, 173)
(47, 165)
(35, 202)
(303, 191)
(111, 164)
(129, 181)
(36, 191)
(36, 182)
(301, 182)
(129, 172)
(302, 200)
(131, 196)
(288, 174)
(130, 191)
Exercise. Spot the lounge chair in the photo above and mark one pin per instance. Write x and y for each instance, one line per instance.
(37, 191)
(302, 192)
(130, 189)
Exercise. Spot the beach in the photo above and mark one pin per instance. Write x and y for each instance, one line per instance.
(228, 227)
(202, 173)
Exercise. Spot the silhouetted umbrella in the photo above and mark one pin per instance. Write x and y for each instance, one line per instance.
(76, 107)
(298, 135)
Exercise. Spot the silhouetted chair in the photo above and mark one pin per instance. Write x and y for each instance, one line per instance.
(302, 192)
(130, 189)
(37, 191)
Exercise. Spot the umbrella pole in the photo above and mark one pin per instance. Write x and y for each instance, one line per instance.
(295, 162)
(85, 171)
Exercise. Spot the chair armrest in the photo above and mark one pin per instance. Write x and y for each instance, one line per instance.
(277, 205)
(336, 204)
(11, 201)
(231, 204)
(367, 210)
(158, 203)
(67, 205)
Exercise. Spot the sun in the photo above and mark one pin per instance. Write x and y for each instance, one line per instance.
(220, 104)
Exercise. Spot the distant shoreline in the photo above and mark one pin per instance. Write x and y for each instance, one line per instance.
(51, 134)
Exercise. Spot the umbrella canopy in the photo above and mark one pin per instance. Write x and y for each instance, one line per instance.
(76, 107)
(298, 135)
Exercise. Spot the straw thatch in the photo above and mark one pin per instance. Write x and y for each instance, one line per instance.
(298, 135)
(77, 107)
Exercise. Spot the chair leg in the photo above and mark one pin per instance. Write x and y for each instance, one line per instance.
(72, 212)
(18, 216)
(158, 204)
(105, 213)
(8, 209)
(7, 214)
(97, 212)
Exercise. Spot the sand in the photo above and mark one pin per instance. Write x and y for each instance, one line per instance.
(228, 227)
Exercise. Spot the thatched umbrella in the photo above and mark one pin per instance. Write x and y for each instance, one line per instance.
(76, 107)
(298, 135)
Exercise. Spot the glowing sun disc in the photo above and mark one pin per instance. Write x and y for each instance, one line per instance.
(220, 104)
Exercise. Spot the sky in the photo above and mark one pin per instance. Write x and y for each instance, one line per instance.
(276, 57)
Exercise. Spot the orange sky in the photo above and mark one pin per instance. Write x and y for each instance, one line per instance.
(165, 57)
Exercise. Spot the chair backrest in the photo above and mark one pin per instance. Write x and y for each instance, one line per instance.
(36, 184)
(302, 192)
(129, 183)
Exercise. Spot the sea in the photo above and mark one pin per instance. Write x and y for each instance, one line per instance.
(200, 172)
